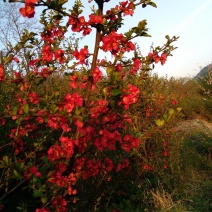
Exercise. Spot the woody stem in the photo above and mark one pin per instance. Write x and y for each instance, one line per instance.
(95, 54)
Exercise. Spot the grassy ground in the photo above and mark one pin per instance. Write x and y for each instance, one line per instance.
(192, 169)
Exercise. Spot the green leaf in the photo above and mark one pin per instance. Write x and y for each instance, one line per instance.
(14, 110)
(171, 111)
(37, 193)
(26, 109)
(16, 173)
(2, 165)
(109, 71)
(78, 111)
(116, 92)
(165, 117)
(44, 200)
(142, 24)
(6, 159)
(179, 109)
(152, 4)
(160, 122)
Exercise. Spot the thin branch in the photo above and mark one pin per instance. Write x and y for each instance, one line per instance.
(6, 194)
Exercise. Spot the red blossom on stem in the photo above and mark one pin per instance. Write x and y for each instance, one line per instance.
(81, 55)
(1, 73)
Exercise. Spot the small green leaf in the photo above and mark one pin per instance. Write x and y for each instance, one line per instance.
(179, 109)
(142, 24)
(171, 111)
(165, 117)
(16, 173)
(2, 165)
(78, 111)
(44, 200)
(26, 109)
(109, 71)
(37, 193)
(6, 159)
(152, 4)
(14, 110)
(160, 122)
(116, 92)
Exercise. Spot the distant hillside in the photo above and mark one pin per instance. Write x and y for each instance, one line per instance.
(204, 71)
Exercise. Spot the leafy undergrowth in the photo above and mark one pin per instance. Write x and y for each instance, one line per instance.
(186, 185)
(191, 170)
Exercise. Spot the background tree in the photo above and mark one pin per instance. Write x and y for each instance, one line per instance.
(11, 31)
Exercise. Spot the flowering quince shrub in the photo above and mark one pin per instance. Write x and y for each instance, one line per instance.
(84, 148)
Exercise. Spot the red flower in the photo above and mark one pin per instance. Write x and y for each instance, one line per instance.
(163, 58)
(1, 73)
(16, 59)
(46, 54)
(33, 62)
(45, 72)
(154, 56)
(127, 9)
(174, 102)
(59, 56)
(28, 10)
(33, 98)
(148, 167)
(96, 74)
(31, 1)
(79, 124)
(95, 19)
(119, 68)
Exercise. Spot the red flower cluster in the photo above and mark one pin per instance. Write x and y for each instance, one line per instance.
(115, 42)
(136, 66)
(156, 58)
(107, 140)
(131, 96)
(79, 24)
(48, 55)
(63, 150)
(92, 168)
(34, 171)
(129, 142)
(60, 204)
(81, 55)
(127, 7)
(99, 108)
(53, 33)
(70, 100)
(33, 98)
(124, 164)
(45, 72)
(55, 121)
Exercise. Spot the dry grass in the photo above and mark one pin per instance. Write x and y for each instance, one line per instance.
(163, 201)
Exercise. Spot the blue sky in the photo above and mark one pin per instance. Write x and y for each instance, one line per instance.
(189, 19)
